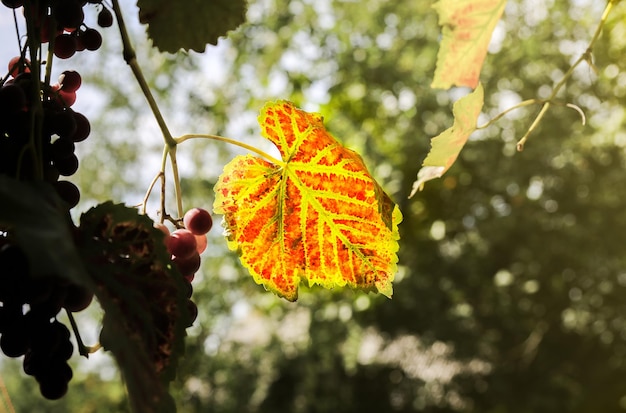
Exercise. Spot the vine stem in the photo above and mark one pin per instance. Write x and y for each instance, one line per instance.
(130, 57)
(232, 142)
(585, 57)
(507, 111)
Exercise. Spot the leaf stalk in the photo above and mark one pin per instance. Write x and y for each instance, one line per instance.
(259, 152)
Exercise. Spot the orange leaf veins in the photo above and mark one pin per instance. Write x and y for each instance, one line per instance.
(318, 216)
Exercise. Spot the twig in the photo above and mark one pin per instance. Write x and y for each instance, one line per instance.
(585, 57)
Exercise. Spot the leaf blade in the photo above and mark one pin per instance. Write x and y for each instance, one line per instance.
(190, 24)
(318, 217)
(467, 26)
(446, 146)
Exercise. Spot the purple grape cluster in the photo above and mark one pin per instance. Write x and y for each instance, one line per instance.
(35, 333)
(39, 131)
(61, 129)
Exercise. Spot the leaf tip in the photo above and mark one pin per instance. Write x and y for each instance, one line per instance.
(424, 175)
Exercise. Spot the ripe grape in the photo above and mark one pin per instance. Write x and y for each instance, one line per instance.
(67, 166)
(182, 244)
(193, 311)
(12, 100)
(201, 243)
(13, 4)
(64, 46)
(68, 13)
(63, 124)
(105, 18)
(65, 98)
(62, 148)
(18, 65)
(49, 29)
(68, 192)
(91, 39)
(70, 80)
(83, 128)
(53, 388)
(198, 221)
(78, 298)
(188, 266)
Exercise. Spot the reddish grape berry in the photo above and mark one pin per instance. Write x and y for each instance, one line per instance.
(201, 243)
(182, 244)
(70, 80)
(198, 221)
(188, 266)
(66, 99)
(18, 65)
(49, 29)
(193, 312)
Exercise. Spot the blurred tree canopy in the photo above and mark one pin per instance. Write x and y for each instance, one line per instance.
(510, 295)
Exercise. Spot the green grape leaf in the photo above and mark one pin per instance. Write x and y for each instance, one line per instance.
(35, 216)
(467, 26)
(143, 298)
(445, 147)
(190, 24)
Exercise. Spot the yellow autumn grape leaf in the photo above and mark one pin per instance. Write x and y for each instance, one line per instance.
(467, 26)
(445, 147)
(317, 215)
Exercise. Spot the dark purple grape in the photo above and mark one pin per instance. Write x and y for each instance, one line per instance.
(188, 266)
(12, 99)
(105, 18)
(188, 289)
(53, 389)
(83, 127)
(14, 343)
(68, 13)
(13, 4)
(64, 46)
(78, 298)
(193, 312)
(67, 166)
(50, 173)
(63, 124)
(62, 148)
(68, 192)
(91, 39)
(15, 266)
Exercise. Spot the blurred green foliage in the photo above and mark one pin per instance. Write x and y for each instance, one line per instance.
(510, 295)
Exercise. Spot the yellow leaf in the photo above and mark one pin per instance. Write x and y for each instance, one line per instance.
(445, 147)
(318, 216)
(467, 29)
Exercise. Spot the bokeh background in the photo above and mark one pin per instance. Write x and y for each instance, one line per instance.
(510, 296)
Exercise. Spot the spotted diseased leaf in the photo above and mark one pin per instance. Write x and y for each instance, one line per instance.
(467, 26)
(317, 216)
(143, 297)
(445, 147)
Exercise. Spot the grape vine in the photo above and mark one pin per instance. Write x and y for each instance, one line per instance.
(139, 271)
